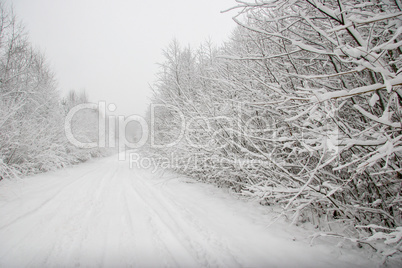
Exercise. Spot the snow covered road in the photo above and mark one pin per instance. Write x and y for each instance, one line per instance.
(104, 214)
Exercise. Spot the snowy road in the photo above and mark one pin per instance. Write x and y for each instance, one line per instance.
(103, 214)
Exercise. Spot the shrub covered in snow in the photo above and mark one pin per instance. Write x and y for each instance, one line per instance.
(309, 90)
(32, 113)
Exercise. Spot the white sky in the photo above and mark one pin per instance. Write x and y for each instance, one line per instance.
(110, 48)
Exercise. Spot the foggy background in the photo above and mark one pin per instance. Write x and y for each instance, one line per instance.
(110, 48)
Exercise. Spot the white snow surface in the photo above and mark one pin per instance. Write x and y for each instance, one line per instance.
(104, 214)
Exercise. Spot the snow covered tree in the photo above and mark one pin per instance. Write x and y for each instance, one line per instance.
(311, 92)
(32, 116)
(338, 64)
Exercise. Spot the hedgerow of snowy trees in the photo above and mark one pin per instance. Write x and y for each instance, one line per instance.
(32, 113)
(301, 108)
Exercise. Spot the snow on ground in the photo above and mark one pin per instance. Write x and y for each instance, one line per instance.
(104, 214)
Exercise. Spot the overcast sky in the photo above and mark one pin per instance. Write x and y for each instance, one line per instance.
(110, 48)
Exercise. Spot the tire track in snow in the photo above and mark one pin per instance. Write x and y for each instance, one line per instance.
(65, 209)
(201, 243)
(111, 216)
(81, 218)
(45, 202)
(161, 227)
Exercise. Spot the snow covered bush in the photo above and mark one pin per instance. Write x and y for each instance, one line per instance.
(340, 66)
(309, 90)
(31, 113)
